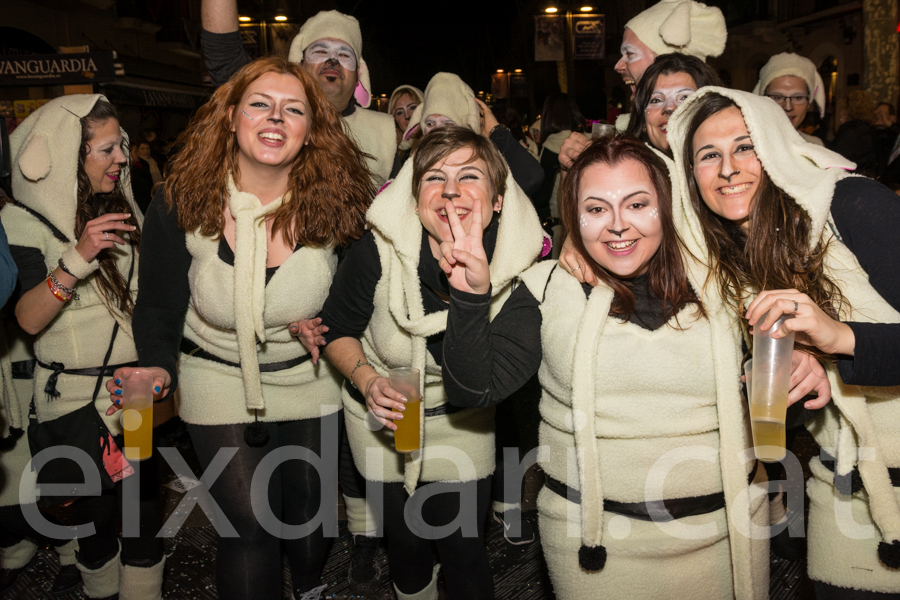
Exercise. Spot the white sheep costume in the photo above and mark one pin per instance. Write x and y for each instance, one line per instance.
(861, 425)
(681, 26)
(371, 130)
(446, 95)
(44, 179)
(235, 316)
(606, 436)
(45, 157)
(397, 333)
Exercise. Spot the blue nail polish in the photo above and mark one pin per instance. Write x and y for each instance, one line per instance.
(118, 401)
(118, 392)
(156, 389)
(118, 382)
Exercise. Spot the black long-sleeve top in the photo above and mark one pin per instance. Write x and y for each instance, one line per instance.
(486, 361)
(867, 217)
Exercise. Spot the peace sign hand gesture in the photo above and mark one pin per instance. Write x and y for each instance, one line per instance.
(463, 258)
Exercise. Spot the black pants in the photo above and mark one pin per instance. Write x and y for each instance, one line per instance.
(826, 591)
(462, 554)
(249, 566)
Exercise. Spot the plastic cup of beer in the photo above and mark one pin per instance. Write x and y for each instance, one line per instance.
(406, 381)
(601, 130)
(771, 377)
(137, 414)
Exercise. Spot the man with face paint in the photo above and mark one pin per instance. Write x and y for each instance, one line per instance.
(669, 26)
(328, 47)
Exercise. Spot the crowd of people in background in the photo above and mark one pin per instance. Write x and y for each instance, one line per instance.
(292, 247)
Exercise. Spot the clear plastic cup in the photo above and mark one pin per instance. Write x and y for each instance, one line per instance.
(406, 381)
(600, 130)
(137, 414)
(770, 383)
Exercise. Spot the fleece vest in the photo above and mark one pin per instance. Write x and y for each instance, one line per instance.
(634, 415)
(213, 393)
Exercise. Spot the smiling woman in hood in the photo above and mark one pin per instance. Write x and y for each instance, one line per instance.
(388, 308)
(771, 212)
(74, 232)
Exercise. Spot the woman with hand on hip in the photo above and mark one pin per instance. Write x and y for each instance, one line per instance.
(637, 373)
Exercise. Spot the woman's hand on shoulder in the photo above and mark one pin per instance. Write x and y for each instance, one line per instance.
(575, 265)
(808, 375)
(572, 148)
(382, 399)
(99, 234)
(488, 120)
(161, 384)
(310, 332)
(810, 323)
(463, 258)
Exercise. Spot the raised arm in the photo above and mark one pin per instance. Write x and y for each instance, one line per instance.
(219, 16)
(221, 40)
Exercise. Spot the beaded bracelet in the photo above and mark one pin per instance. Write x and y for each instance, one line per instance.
(55, 292)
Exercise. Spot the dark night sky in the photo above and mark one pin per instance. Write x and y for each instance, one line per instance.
(409, 42)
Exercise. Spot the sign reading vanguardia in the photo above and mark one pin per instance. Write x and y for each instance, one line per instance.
(57, 69)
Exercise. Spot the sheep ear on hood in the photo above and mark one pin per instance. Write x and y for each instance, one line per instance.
(363, 91)
(474, 114)
(34, 160)
(676, 29)
(414, 122)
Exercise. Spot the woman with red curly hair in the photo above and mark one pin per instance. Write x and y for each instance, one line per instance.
(238, 244)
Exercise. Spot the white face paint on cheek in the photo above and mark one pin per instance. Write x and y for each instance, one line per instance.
(654, 212)
(584, 221)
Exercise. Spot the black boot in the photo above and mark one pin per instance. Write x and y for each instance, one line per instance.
(67, 580)
(365, 574)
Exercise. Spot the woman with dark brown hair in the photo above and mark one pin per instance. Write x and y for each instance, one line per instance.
(74, 231)
(781, 218)
(238, 244)
(642, 425)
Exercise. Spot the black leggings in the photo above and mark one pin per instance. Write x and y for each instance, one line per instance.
(826, 591)
(463, 557)
(249, 566)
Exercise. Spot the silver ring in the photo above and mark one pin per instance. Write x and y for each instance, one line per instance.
(576, 269)
(106, 233)
(796, 307)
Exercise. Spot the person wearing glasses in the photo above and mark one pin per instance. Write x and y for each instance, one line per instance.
(794, 83)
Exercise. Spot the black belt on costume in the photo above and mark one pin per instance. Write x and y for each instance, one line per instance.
(59, 369)
(660, 511)
(828, 462)
(444, 409)
(191, 349)
(23, 369)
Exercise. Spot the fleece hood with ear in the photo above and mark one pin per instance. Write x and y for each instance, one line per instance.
(447, 95)
(681, 26)
(333, 24)
(807, 172)
(854, 421)
(45, 160)
(399, 328)
(788, 63)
